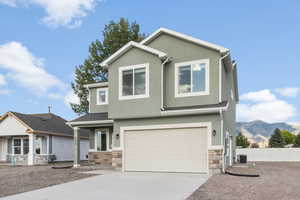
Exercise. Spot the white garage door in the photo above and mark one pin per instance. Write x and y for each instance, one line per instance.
(166, 150)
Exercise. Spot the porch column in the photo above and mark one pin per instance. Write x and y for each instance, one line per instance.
(48, 144)
(76, 147)
(31, 153)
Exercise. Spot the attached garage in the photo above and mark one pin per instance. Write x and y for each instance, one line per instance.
(181, 149)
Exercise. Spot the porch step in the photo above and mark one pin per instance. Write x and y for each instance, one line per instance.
(4, 163)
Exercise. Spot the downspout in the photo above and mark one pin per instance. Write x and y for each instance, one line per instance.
(220, 76)
(162, 83)
(222, 141)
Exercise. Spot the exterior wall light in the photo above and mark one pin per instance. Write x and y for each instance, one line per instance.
(117, 136)
(214, 133)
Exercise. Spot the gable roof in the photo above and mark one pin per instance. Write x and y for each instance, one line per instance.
(183, 37)
(45, 123)
(127, 47)
(92, 117)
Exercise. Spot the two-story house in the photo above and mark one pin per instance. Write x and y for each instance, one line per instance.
(168, 106)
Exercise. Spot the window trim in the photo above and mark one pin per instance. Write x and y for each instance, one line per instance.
(133, 67)
(21, 146)
(205, 92)
(41, 148)
(107, 140)
(106, 96)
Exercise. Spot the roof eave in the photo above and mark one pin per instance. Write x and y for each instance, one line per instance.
(127, 47)
(94, 85)
(195, 111)
(155, 34)
(78, 123)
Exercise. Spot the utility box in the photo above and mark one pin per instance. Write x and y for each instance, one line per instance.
(242, 158)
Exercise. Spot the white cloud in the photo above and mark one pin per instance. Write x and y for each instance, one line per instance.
(26, 69)
(67, 13)
(55, 96)
(288, 92)
(4, 92)
(71, 98)
(294, 123)
(2, 80)
(259, 96)
(11, 3)
(263, 105)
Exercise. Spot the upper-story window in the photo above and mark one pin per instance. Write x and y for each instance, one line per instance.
(102, 96)
(192, 78)
(134, 81)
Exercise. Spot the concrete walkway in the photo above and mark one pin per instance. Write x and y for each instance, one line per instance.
(121, 186)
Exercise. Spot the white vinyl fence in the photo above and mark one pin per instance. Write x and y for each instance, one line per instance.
(270, 154)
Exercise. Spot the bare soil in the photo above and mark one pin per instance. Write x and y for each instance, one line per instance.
(277, 181)
(20, 179)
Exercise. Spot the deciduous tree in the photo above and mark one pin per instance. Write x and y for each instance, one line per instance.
(297, 141)
(242, 141)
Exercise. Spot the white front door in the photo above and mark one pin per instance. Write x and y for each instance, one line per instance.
(102, 140)
(3, 149)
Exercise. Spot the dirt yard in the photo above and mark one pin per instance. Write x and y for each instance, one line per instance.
(19, 179)
(277, 181)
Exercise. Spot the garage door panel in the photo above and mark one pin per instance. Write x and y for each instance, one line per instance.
(171, 150)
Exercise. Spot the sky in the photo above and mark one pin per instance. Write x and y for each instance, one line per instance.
(42, 41)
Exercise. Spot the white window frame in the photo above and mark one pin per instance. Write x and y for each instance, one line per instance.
(133, 67)
(181, 64)
(107, 139)
(40, 138)
(231, 94)
(106, 96)
(22, 145)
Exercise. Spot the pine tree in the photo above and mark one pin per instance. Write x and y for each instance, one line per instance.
(276, 140)
(115, 35)
(297, 141)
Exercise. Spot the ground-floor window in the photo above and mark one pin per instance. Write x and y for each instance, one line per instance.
(20, 146)
(38, 144)
(101, 140)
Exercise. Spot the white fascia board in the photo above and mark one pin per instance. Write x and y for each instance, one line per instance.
(236, 88)
(94, 85)
(193, 111)
(184, 37)
(128, 46)
(90, 122)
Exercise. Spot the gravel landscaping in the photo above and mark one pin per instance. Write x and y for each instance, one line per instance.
(19, 179)
(277, 181)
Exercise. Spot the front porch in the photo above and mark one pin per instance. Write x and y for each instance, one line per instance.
(101, 140)
(30, 149)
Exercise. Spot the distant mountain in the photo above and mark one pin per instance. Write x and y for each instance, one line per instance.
(259, 130)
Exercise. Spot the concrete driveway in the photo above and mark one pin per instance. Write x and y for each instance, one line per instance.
(121, 186)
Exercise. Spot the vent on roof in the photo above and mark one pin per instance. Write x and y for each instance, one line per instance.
(46, 117)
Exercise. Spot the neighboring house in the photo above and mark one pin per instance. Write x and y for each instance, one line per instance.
(29, 139)
(168, 106)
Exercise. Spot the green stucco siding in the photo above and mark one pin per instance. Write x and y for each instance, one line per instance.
(94, 108)
(214, 119)
(230, 114)
(183, 51)
(131, 108)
